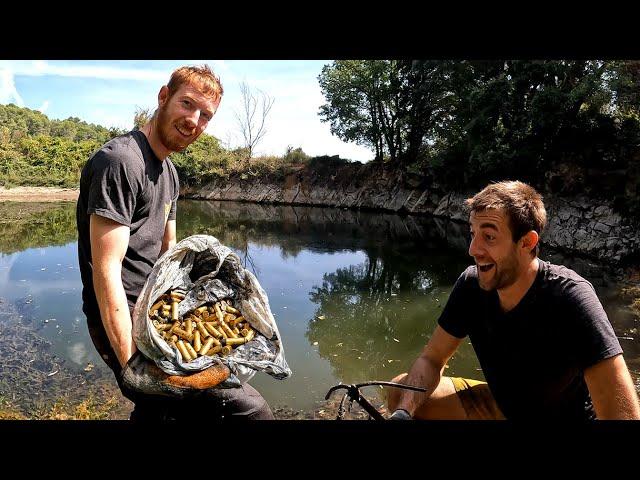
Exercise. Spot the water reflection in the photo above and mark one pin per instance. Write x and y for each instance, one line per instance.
(355, 294)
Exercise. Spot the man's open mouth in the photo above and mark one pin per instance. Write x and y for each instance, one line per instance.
(188, 134)
(485, 267)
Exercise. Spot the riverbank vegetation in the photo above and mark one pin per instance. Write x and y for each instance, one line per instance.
(37, 151)
(567, 127)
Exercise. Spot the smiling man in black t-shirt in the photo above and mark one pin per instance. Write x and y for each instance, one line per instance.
(126, 217)
(545, 344)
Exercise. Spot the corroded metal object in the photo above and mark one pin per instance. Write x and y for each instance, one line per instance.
(214, 328)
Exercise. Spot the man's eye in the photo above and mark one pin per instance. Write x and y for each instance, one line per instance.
(186, 102)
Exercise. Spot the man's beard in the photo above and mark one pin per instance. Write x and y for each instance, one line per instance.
(505, 275)
(167, 133)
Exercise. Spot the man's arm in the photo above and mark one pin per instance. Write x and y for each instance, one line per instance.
(427, 370)
(612, 391)
(169, 237)
(109, 243)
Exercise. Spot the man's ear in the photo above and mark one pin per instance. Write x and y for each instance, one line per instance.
(530, 240)
(163, 95)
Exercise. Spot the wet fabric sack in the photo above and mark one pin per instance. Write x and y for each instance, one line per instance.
(208, 272)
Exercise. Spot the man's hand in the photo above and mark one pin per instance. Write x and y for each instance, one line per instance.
(400, 414)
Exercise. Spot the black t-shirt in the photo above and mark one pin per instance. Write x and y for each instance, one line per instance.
(534, 356)
(126, 182)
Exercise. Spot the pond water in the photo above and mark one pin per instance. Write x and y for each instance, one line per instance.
(355, 294)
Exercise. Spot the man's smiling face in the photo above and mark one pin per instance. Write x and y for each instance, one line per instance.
(183, 116)
(493, 249)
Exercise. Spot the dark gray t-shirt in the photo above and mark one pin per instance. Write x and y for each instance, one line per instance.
(126, 182)
(534, 356)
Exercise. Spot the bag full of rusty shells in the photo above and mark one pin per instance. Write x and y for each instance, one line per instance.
(200, 306)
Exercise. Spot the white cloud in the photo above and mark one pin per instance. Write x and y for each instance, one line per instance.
(40, 67)
(44, 106)
(77, 353)
(8, 92)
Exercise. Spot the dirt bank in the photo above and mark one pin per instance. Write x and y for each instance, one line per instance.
(38, 194)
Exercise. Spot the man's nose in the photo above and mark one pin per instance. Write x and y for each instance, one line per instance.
(474, 248)
(193, 118)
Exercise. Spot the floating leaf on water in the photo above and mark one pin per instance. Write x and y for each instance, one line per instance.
(446, 366)
(320, 317)
(335, 354)
(359, 358)
(396, 340)
(389, 361)
(320, 412)
(52, 373)
(339, 344)
(89, 367)
(315, 343)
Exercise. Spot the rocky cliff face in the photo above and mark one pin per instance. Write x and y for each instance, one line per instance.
(577, 225)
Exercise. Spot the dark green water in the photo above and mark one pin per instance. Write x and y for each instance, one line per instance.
(355, 294)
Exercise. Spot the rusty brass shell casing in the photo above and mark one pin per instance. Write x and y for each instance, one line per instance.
(204, 315)
(236, 341)
(250, 335)
(236, 321)
(189, 326)
(174, 311)
(183, 334)
(178, 297)
(228, 317)
(236, 331)
(191, 351)
(219, 314)
(163, 327)
(244, 332)
(212, 330)
(157, 305)
(166, 308)
(174, 338)
(230, 309)
(207, 345)
(183, 350)
(225, 328)
(201, 309)
(196, 341)
(226, 350)
(203, 331)
(175, 325)
(214, 350)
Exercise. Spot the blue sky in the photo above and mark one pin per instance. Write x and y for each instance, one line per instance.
(108, 92)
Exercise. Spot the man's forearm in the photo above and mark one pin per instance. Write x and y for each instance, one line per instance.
(166, 245)
(423, 373)
(114, 311)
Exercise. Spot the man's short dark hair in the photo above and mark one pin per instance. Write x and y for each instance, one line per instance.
(522, 204)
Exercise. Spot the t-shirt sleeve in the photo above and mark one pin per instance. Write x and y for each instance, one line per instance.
(176, 192)
(453, 318)
(114, 187)
(596, 339)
